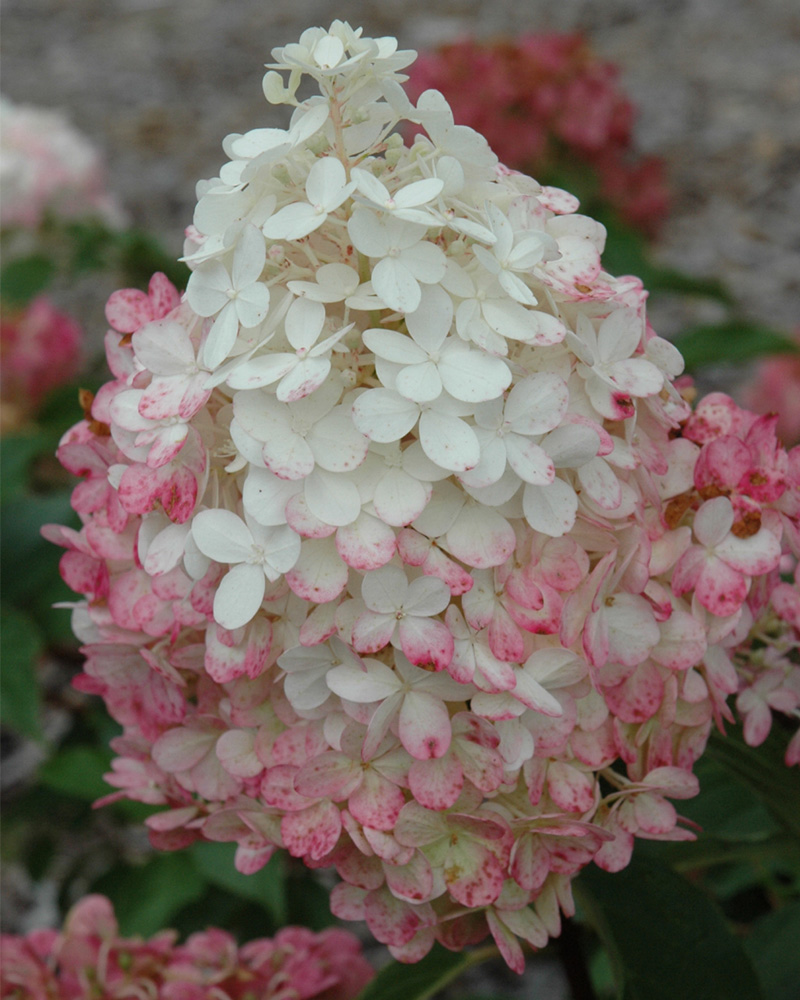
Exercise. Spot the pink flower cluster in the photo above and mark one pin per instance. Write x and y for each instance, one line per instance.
(400, 550)
(741, 459)
(88, 958)
(775, 388)
(41, 348)
(546, 101)
(48, 168)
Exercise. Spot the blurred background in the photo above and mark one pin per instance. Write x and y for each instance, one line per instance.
(695, 171)
(156, 84)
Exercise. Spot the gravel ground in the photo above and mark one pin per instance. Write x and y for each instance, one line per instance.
(158, 83)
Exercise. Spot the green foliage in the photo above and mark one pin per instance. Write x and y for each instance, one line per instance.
(733, 341)
(727, 808)
(140, 256)
(665, 938)
(29, 563)
(763, 770)
(132, 253)
(24, 278)
(21, 643)
(307, 900)
(78, 771)
(423, 980)
(773, 947)
(148, 897)
(19, 452)
(267, 887)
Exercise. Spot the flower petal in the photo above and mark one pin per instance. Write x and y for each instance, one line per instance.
(239, 595)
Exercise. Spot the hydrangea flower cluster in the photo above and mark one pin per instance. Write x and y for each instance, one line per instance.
(88, 958)
(546, 101)
(41, 348)
(48, 168)
(400, 548)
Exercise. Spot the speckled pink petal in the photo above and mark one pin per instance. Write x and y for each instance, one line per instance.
(572, 790)
(639, 697)
(424, 725)
(392, 921)
(128, 309)
(320, 574)
(376, 802)
(719, 588)
(425, 641)
(367, 543)
(312, 832)
(436, 783)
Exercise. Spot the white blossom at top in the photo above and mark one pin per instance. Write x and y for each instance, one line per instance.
(507, 256)
(233, 298)
(534, 406)
(405, 202)
(429, 361)
(326, 188)
(406, 259)
(300, 372)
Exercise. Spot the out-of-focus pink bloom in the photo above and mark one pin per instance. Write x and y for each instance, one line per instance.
(41, 349)
(88, 957)
(776, 389)
(546, 100)
(48, 168)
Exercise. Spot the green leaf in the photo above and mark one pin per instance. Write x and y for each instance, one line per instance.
(266, 887)
(24, 278)
(89, 244)
(664, 936)
(55, 623)
(773, 949)
(18, 451)
(147, 897)
(727, 807)
(309, 902)
(29, 562)
(706, 852)
(734, 341)
(20, 644)
(141, 255)
(421, 981)
(763, 770)
(78, 771)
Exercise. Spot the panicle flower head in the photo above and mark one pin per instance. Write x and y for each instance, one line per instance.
(400, 549)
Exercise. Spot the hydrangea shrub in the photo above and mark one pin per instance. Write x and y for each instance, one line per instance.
(401, 549)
